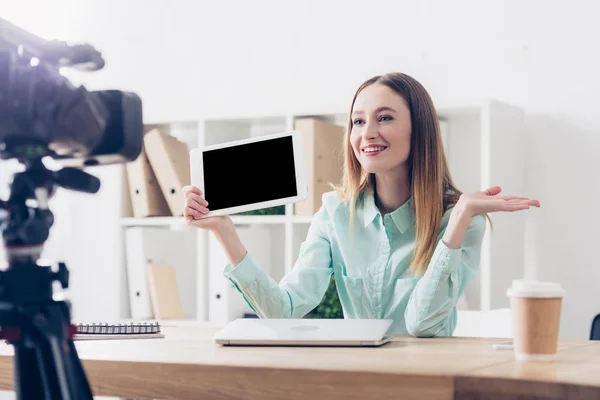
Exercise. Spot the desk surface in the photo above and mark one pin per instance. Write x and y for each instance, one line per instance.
(186, 364)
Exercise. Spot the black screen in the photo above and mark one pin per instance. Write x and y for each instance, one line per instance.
(249, 173)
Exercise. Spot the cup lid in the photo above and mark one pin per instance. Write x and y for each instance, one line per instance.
(532, 288)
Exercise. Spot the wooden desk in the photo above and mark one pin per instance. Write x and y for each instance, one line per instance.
(188, 365)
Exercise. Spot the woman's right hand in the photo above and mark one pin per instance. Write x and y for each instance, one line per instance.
(196, 207)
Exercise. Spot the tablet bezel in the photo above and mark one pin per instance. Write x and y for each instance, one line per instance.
(197, 172)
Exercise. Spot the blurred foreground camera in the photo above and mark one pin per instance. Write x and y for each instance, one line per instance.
(42, 114)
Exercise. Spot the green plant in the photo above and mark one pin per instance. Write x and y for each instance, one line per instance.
(330, 306)
(277, 210)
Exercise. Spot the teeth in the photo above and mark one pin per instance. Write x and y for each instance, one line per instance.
(372, 149)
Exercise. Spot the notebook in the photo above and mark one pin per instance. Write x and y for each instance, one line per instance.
(106, 331)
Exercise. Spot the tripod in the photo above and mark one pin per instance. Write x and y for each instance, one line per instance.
(47, 366)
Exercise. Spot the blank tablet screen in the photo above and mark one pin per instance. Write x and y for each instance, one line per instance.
(249, 173)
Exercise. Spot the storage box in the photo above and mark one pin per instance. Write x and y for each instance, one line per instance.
(170, 161)
(323, 152)
(147, 199)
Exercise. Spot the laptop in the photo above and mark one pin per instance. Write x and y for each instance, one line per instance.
(304, 332)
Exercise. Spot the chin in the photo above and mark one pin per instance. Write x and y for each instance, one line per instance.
(369, 168)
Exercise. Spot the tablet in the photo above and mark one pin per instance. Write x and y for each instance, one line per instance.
(249, 174)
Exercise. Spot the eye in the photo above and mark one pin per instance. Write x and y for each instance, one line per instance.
(357, 121)
(385, 118)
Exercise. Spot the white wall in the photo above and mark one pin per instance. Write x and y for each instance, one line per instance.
(192, 58)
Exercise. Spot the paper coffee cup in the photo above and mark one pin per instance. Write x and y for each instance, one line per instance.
(536, 308)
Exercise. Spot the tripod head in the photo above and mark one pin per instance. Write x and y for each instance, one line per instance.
(25, 228)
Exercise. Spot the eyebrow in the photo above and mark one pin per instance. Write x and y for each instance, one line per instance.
(380, 109)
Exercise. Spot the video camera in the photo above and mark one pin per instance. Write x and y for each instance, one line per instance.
(42, 114)
(40, 109)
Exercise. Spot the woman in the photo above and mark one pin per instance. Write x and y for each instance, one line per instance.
(401, 240)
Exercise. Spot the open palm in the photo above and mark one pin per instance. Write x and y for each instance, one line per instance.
(488, 201)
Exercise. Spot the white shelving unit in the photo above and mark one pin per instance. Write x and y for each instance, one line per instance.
(176, 222)
(483, 144)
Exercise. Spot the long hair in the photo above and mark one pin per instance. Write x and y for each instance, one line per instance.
(432, 188)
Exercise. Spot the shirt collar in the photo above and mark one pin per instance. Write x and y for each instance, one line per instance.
(369, 209)
(403, 217)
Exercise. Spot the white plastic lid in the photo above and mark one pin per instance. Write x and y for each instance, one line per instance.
(530, 288)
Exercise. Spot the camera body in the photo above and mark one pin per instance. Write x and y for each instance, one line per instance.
(43, 113)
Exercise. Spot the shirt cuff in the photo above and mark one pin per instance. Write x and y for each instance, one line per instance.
(244, 273)
(445, 259)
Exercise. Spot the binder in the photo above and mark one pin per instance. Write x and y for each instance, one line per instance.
(136, 256)
(170, 161)
(323, 160)
(164, 293)
(147, 198)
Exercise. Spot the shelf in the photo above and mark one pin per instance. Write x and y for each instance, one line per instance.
(477, 136)
(301, 219)
(237, 220)
(259, 219)
(270, 219)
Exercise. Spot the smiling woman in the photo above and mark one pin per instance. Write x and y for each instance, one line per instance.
(381, 140)
(394, 125)
(395, 150)
(400, 239)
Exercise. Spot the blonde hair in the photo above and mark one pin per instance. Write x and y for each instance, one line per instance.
(431, 185)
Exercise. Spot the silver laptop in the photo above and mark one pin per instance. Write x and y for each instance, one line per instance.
(304, 332)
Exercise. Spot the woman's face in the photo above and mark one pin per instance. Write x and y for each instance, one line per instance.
(381, 129)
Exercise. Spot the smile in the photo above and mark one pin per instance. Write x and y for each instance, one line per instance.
(373, 150)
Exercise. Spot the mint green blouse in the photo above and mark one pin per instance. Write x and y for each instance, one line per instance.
(370, 270)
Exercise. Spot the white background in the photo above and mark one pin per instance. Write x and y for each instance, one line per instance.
(193, 58)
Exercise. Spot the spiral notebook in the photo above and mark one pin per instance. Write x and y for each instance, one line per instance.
(106, 331)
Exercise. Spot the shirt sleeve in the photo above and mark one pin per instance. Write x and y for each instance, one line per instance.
(301, 290)
(430, 308)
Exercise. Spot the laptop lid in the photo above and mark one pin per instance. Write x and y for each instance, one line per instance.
(304, 331)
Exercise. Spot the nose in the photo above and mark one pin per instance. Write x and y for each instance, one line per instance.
(370, 131)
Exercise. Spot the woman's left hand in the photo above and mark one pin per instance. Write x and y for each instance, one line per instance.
(476, 203)
(488, 201)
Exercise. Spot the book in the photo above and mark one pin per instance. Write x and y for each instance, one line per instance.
(105, 331)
